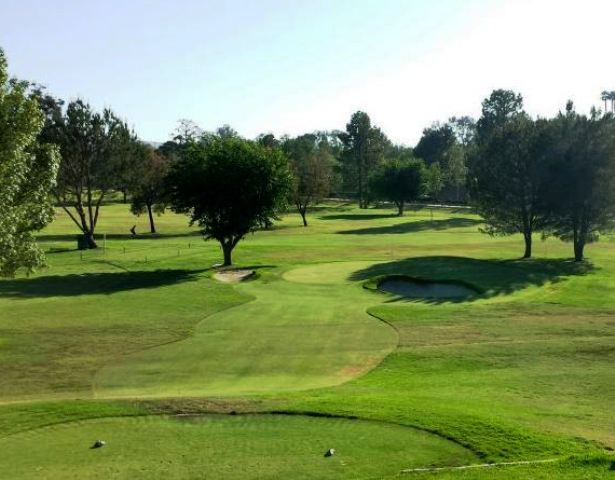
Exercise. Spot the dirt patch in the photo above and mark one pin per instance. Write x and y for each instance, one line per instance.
(233, 276)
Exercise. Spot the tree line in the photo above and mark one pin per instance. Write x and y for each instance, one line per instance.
(523, 175)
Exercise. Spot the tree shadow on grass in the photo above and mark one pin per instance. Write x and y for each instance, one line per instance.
(359, 216)
(93, 283)
(416, 226)
(489, 277)
(117, 236)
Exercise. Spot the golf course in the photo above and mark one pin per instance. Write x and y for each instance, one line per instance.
(411, 345)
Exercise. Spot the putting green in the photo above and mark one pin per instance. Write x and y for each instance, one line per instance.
(320, 333)
(216, 446)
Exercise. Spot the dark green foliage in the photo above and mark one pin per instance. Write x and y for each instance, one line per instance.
(398, 181)
(364, 148)
(229, 187)
(434, 143)
(497, 109)
(507, 173)
(445, 149)
(311, 163)
(581, 187)
(147, 186)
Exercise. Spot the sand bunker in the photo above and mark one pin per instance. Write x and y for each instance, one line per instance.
(422, 289)
(233, 276)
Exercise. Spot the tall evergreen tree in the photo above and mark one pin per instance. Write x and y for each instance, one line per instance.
(364, 147)
(506, 174)
(581, 190)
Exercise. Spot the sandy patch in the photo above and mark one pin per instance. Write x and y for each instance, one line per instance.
(233, 276)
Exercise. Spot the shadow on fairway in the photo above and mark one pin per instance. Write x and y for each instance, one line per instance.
(359, 216)
(416, 226)
(118, 236)
(489, 277)
(93, 283)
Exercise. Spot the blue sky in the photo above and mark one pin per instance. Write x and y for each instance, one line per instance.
(298, 65)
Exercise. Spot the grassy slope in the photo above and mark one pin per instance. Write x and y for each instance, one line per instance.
(515, 375)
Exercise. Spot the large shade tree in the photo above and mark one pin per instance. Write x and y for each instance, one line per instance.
(28, 171)
(95, 149)
(581, 190)
(399, 182)
(229, 187)
(434, 143)
(311, 164)
(507, 170)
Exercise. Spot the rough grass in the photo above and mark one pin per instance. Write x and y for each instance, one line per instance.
(522, 371)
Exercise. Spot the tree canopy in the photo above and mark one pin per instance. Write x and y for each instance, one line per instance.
(229, 187)
(399, 182)
(311, 164)
(148, 186)
(28, 169)
(364, 147)
(94, 150)
(507, 172)
(580, 191)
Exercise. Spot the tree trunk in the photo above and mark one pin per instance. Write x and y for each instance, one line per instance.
(579, 245)
(527, 236)
(400, 209)
(152, 226)
(302, 212)
(227, 250)
(87, 242)
(124, 195)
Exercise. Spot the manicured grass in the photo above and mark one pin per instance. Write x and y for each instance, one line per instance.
(522, 371)
(222, 446)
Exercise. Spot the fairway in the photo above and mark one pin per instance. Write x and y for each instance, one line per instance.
(321, 336)
(114, 343)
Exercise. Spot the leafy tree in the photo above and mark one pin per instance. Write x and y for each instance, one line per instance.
(226, 131)
(398, 181)
(581, 190)
(148, 187)
(605, 96)
(268, 140)
(434, 181)
(94, 148)
(169, 149)
(464, 129)
(229, 187)
(434, 143)
(364, 147)
(507, 178)
(497, 109)
(187, 131)
(455, 168)
(311, 165)
(28, 171)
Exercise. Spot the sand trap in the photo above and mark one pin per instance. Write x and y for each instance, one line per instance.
(233, 276)
(415, 289)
